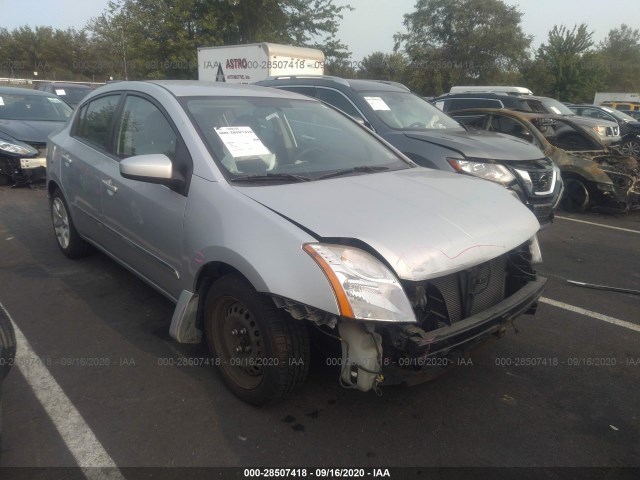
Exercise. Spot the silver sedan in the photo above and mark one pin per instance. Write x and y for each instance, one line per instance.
(264, 214)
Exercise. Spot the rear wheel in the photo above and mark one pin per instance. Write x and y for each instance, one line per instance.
(69, 241)
(261, 352)
(576, 196)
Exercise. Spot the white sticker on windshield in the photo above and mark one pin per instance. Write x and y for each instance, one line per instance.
(555, 110)
(1, 102)
(241, 142)
(60, 91)
(54, 100)
(377, 103)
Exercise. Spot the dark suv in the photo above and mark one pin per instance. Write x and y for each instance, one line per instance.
(433, 139)
(629, 126)
(608, 131)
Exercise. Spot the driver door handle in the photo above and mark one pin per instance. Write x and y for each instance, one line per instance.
(110, 186)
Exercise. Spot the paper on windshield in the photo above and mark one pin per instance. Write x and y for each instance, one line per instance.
(555, 110)
(377, 103)
(1, 101)
(241, 142)
(60, 91)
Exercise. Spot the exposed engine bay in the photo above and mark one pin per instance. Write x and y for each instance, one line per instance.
(454, 314)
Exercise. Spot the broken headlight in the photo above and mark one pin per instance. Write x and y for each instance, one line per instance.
(488, 171)
(15, 148)
(364, 287)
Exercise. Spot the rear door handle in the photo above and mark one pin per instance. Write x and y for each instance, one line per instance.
(66, 159)
(110, 186)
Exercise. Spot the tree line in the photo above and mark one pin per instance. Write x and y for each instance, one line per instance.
(445, 43)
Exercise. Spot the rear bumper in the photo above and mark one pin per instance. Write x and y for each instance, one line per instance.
(430, 353)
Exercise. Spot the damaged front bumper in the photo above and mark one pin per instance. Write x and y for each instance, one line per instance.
(386, 354)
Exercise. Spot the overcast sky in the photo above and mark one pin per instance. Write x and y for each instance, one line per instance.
(370, 27)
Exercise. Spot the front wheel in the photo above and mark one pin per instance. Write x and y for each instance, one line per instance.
(576, 196)
(261, 352)
(630, 148)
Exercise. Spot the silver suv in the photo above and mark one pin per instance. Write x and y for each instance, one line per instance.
(263, 214)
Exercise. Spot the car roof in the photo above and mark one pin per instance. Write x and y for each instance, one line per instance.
(200, 88)
(64, 85)
(327, 80)
(24, 91)
(499, 95)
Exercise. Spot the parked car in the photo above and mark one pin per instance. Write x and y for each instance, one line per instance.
(632, 113)
(522, 100)
(629, 126)
(593, 176)
(7, 352)
(70, 93)
(433, 139)
(262, 214)
(27, 117)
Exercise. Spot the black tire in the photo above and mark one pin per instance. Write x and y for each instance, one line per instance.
(4, 179)
(7, 344)
(630, 148)
(7, 353)
(67, 237)
(576, 197)
(275, 348)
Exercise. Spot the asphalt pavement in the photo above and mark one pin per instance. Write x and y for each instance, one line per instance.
(561, 389)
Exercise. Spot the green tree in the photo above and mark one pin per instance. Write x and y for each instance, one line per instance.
(384, 66)
(457, 42)
(159, 38)
(620, 52)
(569, 58)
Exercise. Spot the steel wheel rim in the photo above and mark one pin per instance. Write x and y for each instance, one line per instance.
(631, 149)
(60, 222)
(246, 367)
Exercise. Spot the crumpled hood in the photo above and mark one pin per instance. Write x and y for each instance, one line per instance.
(425, 223)
(480, 144)
(29, 131)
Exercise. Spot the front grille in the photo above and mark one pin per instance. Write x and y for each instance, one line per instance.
(538, 176)
(542, 181)
(452, 298)
(613, 131)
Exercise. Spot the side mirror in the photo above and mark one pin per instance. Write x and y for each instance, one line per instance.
(151, 168)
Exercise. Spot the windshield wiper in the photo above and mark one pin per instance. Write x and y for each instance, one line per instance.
(360, 169)
(269, 176)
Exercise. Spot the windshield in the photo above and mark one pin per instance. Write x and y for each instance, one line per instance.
(286, 140)
(18, 106)
(554, 106)
(404, 110)
(72, 95)
(619, 115)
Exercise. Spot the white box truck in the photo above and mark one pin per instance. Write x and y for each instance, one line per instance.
(615, 97)
(257, 61)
